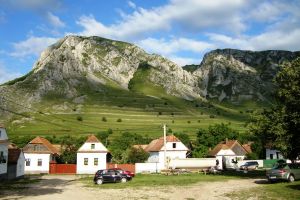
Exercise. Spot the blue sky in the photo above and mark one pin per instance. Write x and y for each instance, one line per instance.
(181, 30)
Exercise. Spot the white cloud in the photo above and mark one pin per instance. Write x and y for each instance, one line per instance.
(55, 21)
(272, 40)
(196, 15)
(174, 45)
(131, 5)
(31, 46)
(6, 75)
(267, 11)
(181, 61)
(171, 48)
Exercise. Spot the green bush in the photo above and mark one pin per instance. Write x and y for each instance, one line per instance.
(119, 120)
(104, 119)
(79, 118)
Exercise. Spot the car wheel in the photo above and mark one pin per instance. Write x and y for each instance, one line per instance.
(123, 180)
(291, 178)
(99, 181)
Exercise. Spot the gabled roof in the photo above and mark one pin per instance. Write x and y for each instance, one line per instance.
(92, 139)
(13, 155)
(157, 144)
(228, 144)
(40, 140)
(86, 147)
(247, 147)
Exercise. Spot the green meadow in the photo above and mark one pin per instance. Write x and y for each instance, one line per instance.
(143, 109)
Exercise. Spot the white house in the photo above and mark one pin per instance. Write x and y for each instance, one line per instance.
(91, 156)
(156, 161)
(273, 154)
(38, 154)
(16, 162)
(229, 152)
(3, 152)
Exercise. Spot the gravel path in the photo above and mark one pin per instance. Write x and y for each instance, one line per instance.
(66, 187)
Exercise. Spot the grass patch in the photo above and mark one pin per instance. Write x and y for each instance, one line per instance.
(287, 191)
(155, 180)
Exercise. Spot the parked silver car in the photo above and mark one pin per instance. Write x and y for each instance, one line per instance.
(284, 171)
(250, 165)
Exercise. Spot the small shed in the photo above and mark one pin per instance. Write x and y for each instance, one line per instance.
(16, 162)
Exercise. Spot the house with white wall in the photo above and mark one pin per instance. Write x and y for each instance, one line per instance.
(3, 152)
(229, 152)
(16, 162)
(38, 153)
(91, 156)
(175, 149)
(273, 154)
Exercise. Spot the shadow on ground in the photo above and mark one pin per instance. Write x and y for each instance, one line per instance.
(33, 186)
(295, 187)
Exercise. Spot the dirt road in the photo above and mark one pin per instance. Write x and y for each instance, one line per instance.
(67, 187)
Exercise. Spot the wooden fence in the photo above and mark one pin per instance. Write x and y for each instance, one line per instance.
(62, 168)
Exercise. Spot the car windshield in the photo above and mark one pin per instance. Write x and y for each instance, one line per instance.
(279, 166)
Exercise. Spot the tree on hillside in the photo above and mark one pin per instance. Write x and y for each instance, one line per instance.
(280, 125)
(211, 137)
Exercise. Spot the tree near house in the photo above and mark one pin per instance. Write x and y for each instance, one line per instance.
(211, 137)
(120, 145)
(280, 125)
(136, 155)
(69, 147)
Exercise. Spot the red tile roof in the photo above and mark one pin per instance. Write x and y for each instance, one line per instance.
(92, 139)
(157, 144)
(13, 153)
(247, 147)
(228, 144)
(46, 143)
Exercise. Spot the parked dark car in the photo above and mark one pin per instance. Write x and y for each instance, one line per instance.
(124, 171)
(250, 165)
(284, 171)
(110, 176)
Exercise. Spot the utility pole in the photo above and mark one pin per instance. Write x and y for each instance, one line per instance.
(165, 146)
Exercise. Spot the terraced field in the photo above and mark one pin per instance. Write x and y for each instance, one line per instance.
(123, 111)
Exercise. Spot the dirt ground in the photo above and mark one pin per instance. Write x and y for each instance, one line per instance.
(67, 187)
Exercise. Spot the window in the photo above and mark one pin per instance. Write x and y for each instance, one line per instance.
(271, 156)
(86, 161)
(27, 162)
(92, 146)
(40, 162)
(0, 133)
(277, 155)
(96, 161)
(174, 145)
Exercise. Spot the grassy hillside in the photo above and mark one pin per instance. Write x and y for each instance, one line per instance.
(121, 110)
